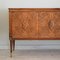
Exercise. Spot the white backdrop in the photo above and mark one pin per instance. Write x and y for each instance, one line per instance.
(4, 23)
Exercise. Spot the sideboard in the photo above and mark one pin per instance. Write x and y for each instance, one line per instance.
(33, 24)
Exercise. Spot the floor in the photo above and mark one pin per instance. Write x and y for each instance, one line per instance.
(31, 55)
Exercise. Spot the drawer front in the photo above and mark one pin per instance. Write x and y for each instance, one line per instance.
(24, 24)
(45, 25)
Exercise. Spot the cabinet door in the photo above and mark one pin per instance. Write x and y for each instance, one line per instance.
(56, 26)
(24, 24)
(45, 25)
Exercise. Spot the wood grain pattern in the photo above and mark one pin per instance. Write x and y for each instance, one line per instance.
(45, 29)
(34, 23)
(24, 24)
(56, 27)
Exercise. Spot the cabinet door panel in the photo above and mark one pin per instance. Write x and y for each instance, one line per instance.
(24, 24)
(56, 18)
(45, 29)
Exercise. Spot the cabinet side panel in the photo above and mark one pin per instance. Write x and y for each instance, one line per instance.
(10, 24)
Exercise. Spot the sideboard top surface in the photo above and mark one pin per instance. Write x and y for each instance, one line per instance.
(34, 9)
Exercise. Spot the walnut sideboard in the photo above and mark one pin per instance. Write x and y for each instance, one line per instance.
(33, 24)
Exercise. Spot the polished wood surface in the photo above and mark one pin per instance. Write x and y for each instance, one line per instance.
(24, 25)
(33, 24)
(44, 27)
(56, 24)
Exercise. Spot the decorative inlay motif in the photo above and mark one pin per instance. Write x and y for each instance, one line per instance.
(45, 25)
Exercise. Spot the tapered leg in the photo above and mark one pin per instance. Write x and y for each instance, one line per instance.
(13, 45)
(11, 48)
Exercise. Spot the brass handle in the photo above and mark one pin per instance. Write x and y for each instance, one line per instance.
(51, 24)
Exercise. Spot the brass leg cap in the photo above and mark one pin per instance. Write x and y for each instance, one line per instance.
(10, 54)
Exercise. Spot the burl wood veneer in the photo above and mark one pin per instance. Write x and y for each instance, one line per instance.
(33, 24)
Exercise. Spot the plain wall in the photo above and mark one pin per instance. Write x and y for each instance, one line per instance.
(4, 23)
